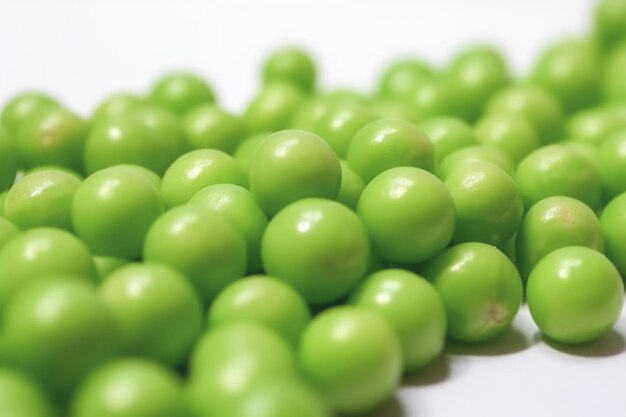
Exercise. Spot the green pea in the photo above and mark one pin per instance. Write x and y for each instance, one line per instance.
(39, 253)
(21, 106)
(351, 187)
(291, 65)
(539, 107)
(130, 388)
(610, 21)
(393, 109)
(575, 295)
(167, 128)
(613, 222)
(291, 165)
(611, 163)
(58, 331)
(352, 383)
(42, 199)
(414, 310)
(511, 134)
(113, 209)
(558, 170)
(476, 153)
(408, 213)
(265, 301)
(7, 231)
(196, 170)
(157, 311)
(105, 265)
(553, 223)
(198, 243)
(273, 108)
(3, 197)
(487, 205)
(52, 136)
(180, 92)
(389, 143)
(239, 207)
(571, 70)
(21, 397)
(593, 125)
(8, 160)
(433, 98)
(402, 77)
(319, 247)
(209, 126)
(480, 287)
(117, 105)
(448, 134)
(347, 96)
(309, 112)
(247, 148)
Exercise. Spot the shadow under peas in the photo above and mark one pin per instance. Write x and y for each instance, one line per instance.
(509, 342)
(611, 344)
(434, 373)
(392, 408)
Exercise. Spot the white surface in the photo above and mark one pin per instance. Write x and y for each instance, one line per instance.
(81, 51)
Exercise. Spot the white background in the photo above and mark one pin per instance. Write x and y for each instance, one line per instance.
(80, 51)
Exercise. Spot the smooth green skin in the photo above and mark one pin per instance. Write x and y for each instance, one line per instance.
(156, 309)
(3, 197)
(167, 127)
(130, 388)
(58, 331)
(52, 136)
(42, 199)
(408, 213)
(340, 123)
(273, 108)
(351, 187)
(105, 265)
(290, 65)
(201, 245)
(125, 139)
(613, 223)
(250, 352)
(487, 204)
(309, 113)
(572, 71)
(291, 165)
(196, 170)
(46, 168)
(240, 208)
(610, 21)
(414, 310)
(448, 134)
(477, 73)
(558, 170)
(392, 109)
(265, 301)
(348, 96)
(211, 127)
(553, 223)
(7, 231)
(511, 134)
(21, 106)
(8, 160)
(480, 287)
(402, 77)
(594, 125)
(20, 397)
(118, 104)
(476, 153)
(389, 143)
(353, 356)
(113, 209)
(276, 397)
(611, 163)
(539, 107)
(180, 92)
(38, 253)
(588, 150)
(575, 295)
(247, 148)
(319, 247)
(433, 98)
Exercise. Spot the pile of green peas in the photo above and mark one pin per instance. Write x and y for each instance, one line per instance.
(166, 257)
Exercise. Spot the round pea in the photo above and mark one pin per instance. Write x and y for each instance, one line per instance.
(309, 112)
(480, 287)
(448, 134)
(209, 126)
(21, 106)
(196, 170)
(9, 164)
(21, 397)
(414, 310)
(593, 125)
(319, 247)
(511, 134)
(434, 97)
(613, 222)
(167, 128)
(180, 92)
(118, 104)
(247, 148)
(105, 265)
(389, 143)
(290, 65)
(611, 163)
(575, 295)
(351, 187)
(273, 108)
(408, 213)
(42, 199)
(402, 77)
(476, 153)
(200, 244)
(7, 231)
(3, 197)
